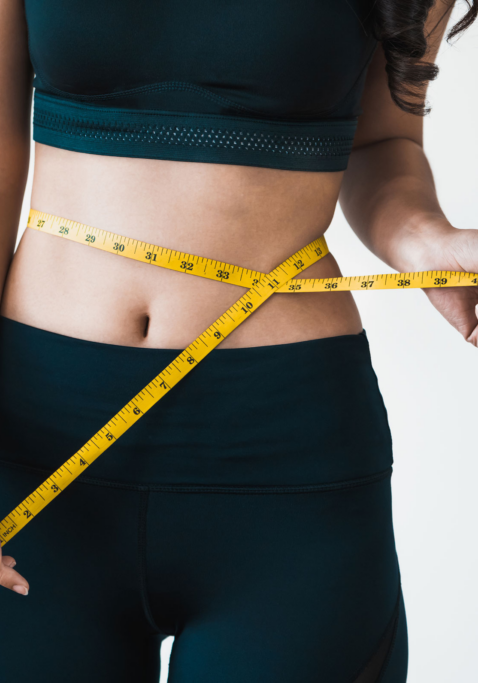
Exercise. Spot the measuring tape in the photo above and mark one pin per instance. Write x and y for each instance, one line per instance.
(261, 287)
(235, 275)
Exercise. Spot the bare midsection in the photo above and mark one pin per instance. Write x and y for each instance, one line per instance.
(247, 216)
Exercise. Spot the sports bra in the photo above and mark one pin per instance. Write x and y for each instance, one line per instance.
(270, 83)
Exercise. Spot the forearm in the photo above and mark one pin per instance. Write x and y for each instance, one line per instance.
(388, 197)
(14, 163)
(16, 80)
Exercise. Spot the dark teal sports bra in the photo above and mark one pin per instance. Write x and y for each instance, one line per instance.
(272, 83)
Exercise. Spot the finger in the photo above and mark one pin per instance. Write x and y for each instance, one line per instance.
(473, 338)
(11, 579)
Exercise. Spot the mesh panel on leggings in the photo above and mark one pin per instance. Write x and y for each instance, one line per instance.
(373, 669)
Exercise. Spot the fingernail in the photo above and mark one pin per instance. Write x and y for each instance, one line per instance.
(20, 589)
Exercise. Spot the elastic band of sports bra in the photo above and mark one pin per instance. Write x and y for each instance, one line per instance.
(209, 138)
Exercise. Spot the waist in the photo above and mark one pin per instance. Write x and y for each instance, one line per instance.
(308, 413)
(249, 217)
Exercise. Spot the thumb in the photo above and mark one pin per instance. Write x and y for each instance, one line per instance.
(11, 579)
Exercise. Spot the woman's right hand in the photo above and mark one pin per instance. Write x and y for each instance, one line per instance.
(10, 578)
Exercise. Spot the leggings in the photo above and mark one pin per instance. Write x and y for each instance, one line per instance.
(247, 514)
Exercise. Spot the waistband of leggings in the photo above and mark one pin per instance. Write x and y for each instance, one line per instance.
(296, 414)
(39, 335)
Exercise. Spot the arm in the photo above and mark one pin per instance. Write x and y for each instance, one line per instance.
(388, 194)
(16, 75)
(15, 111)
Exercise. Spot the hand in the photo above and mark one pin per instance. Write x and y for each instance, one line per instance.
(455, 250)
(10, 578)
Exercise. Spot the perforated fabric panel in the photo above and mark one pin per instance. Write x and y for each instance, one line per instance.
(205, 137)
(316, 146)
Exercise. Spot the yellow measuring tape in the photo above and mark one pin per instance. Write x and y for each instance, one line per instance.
(261, 287)
(235, 275)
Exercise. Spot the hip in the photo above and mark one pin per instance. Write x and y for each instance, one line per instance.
(299, 414)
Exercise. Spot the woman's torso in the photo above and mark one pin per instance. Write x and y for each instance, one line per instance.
(246, 216)
(301, 67)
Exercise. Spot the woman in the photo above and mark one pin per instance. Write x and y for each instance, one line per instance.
(248, 513)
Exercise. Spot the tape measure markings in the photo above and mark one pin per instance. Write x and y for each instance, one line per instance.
(236, 275)
(223, 271)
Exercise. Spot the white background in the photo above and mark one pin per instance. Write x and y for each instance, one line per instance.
(428, 376)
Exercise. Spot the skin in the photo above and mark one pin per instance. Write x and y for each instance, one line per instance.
(253, 217)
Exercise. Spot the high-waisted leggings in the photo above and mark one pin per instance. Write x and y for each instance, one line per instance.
(247, 514)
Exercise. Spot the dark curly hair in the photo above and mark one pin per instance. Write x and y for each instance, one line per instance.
(400, 26)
